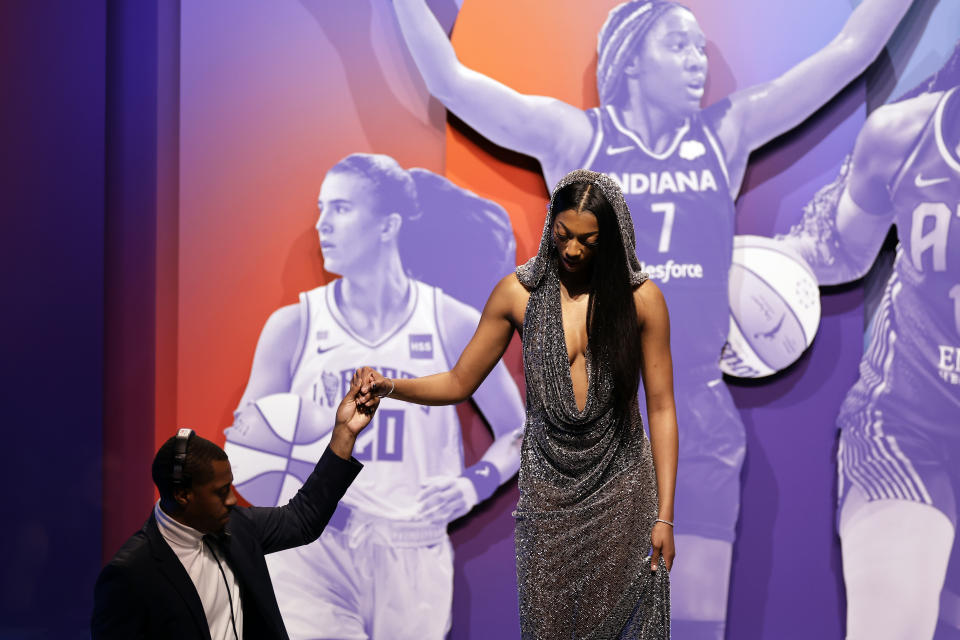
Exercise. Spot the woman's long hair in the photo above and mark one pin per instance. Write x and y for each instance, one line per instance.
(449, 238)
(611, 313)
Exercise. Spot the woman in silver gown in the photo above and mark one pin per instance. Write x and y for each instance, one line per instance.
(594, 532)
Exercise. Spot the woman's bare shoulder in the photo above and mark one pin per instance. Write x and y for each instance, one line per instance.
(649, 301)
(509, 299)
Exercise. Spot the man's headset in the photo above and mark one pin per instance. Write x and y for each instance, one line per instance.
(180, 455)
(179, 459)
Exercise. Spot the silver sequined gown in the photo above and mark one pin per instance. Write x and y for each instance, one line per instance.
(588, 492)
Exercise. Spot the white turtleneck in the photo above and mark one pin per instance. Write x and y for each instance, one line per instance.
(201, 565)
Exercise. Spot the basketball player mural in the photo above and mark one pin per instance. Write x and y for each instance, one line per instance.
(899, 452)
(680, 168)
(384, 566)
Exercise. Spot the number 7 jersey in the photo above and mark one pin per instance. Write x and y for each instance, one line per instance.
(405, 443)
(683, 214)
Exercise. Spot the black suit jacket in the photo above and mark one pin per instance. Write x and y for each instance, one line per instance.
(145, 593)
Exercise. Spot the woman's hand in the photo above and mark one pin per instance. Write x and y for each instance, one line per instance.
(373, 386)
(661, 539)
(352, 416)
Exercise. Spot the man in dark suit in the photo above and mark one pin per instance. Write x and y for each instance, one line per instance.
(197, 569)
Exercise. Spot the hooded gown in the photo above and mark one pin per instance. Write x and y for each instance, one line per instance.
(588, 492)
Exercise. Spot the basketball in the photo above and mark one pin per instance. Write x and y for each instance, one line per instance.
(273, 446)
(774, 308)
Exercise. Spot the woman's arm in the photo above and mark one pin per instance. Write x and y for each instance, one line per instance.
(486, 347)
(497, 397)
(446, 498)
(760, 113)
(656, 368)
(524, 123)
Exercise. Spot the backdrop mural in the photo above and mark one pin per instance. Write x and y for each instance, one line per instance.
(342, 106)
(896, 457)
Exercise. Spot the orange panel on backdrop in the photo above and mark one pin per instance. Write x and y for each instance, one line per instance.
(526, 51)
(267, 106)
(564, 38)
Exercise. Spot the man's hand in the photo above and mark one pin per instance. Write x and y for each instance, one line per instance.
(445, 498)
(352, 418)
(373, 386)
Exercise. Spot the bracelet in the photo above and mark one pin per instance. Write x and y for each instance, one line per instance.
(393, 385)
(663, 521)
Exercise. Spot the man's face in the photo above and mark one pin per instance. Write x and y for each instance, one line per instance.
(206, 507)
(348, 226)
(671, 66)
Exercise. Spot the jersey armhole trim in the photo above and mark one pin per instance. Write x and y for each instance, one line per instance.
(894, 185)
(594, 116)
(297, 358)
(718, 150)
(949, 156)
(441, 328)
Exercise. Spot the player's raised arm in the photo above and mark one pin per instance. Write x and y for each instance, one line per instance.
(524, 123)
(846, 222)
(502, 313)
(762, 112)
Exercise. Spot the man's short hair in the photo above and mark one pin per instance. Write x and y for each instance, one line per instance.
(197, 467)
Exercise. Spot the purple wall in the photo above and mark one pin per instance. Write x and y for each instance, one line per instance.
(86, 103)
(89, 126)
(786, 562)
(52, 261)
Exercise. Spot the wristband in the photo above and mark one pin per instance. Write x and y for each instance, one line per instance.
(663, 521)
(485, 478)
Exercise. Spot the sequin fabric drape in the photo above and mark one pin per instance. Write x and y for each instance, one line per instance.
(588, 494)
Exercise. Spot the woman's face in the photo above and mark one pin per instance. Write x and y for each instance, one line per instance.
(576, 236)
(348, 226)
(671, 65)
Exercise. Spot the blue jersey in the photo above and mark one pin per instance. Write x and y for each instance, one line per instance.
(910, 373)
(683, 214)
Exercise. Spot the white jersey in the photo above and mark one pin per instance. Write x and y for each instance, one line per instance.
(406, 443)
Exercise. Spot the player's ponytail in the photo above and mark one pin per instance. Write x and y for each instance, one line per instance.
(460, 242)
(450, 238)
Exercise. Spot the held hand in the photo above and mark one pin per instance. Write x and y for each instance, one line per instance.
(352, 414)
(661, 539)
(446, 498)
(373, 386)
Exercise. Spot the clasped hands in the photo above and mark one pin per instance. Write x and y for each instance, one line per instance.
(441, 498)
